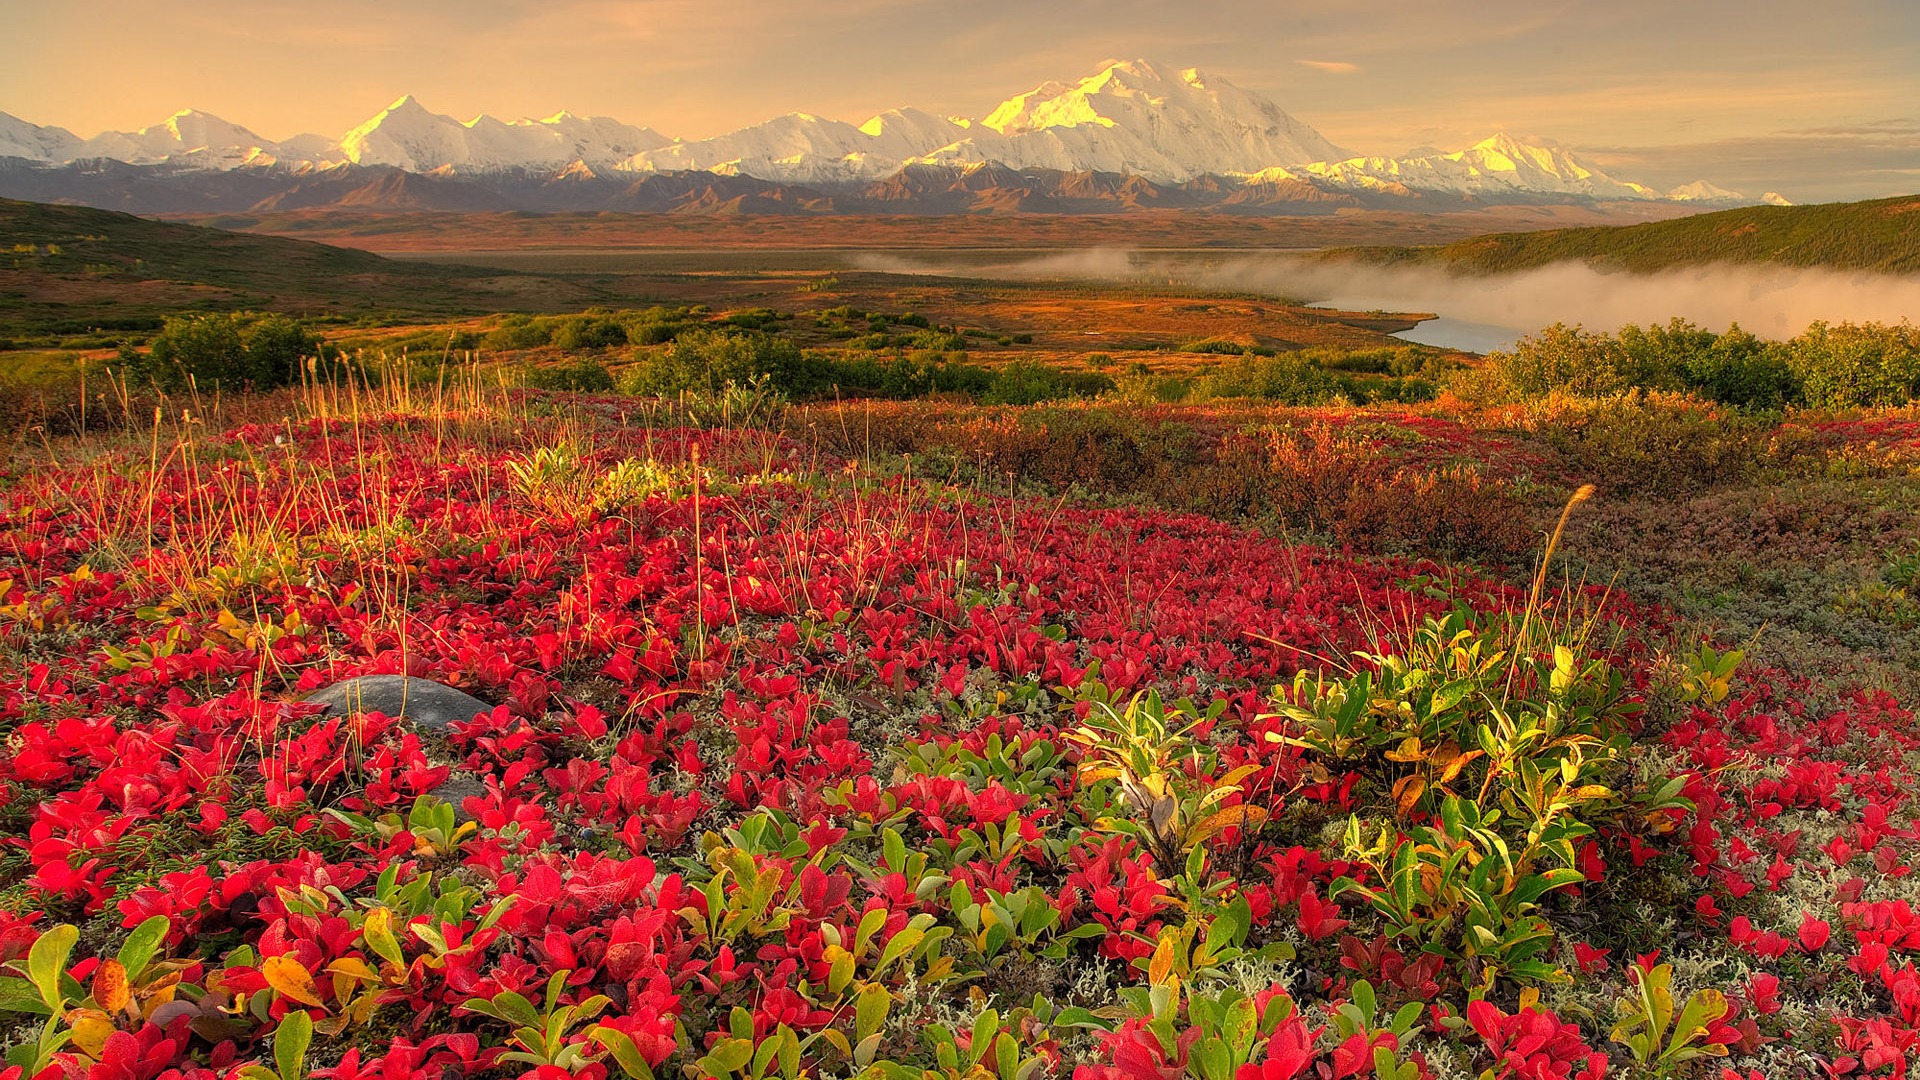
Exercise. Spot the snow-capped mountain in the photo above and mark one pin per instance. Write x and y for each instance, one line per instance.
(20, 139)
(797, 147)
(1129, 118)
(1499, 165)
(1703, 192)
(188, 136)
(407, 135)
(1134, 118)
(1165, 128)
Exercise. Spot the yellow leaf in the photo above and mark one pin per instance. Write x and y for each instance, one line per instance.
(1406, 793)
(1408, 751)
(1209, 827)
(1161, 966)
(110, 989)
(91, 1029)
(1457, 763)
(290, 980)
(353, 967)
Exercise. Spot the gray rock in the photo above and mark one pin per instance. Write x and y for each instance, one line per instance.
(426, 703)
(458, 788)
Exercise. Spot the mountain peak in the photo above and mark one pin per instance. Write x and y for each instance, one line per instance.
(1504, 143)
(1702, 191)
(1130, 117)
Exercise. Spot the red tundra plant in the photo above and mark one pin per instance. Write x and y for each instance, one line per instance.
(774, 750)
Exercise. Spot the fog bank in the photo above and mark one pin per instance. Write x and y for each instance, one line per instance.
(1771, 301)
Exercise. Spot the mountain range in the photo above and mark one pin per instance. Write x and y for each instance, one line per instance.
(1132, 135)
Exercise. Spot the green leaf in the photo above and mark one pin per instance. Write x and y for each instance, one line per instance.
(516, 1009)
(21, 996)
(870, 924)
(1074, 1016)
(870, 1010)
(1006, 1056)
(621, 1047)
(985, 1026)
(789, 1052)
(290, 1041)
(137, 951)
(728, 1057)
(763, 1056)
(47, 961)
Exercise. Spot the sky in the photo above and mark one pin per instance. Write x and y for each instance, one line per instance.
(1818, 101)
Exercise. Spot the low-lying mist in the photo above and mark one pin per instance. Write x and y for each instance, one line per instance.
(1771, 301)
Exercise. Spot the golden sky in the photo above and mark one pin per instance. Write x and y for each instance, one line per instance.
(1817, 99)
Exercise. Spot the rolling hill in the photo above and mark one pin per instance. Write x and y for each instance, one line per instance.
(1882, 235)
(71, 270)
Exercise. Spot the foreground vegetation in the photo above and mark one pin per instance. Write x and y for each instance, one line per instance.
(810, 758)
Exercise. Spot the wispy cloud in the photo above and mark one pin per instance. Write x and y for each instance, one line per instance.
(1332, 67)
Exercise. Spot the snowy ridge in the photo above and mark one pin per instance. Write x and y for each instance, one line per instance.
(35, 143)
(407, 135)
(1130, 118)
(1497, 165)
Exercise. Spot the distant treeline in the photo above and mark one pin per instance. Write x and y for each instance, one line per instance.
(1883, 235)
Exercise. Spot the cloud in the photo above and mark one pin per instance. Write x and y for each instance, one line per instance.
(1332, 67)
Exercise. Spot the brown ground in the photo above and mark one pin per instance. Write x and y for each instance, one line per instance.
(1068, 321)
(393, 231)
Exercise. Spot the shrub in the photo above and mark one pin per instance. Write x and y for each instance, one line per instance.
(581, 376)
(517, 332)
(1217, 346)
(1744, 371)
(225, 352)
(1564, 358)
(1026, 382)
(584, 332)
(1857, 364)
(1845, 366)
(655, 325)
(1344, 485)
(1657, 442)
(710, 359)
(1287, 380)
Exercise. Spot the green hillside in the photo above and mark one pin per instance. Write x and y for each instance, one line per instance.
(69, 271)
(1881, 235)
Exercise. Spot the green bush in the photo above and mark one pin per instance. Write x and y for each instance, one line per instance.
(710, 359)
(1744, 371)
(1026, 382)
(1845, 366)
(585, 376)
(584, 333)
(1857, 364)
(1288, 380)
(1216, 346)
(655, 325)
(233, 353)
(1565, 358)
(517, 332)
